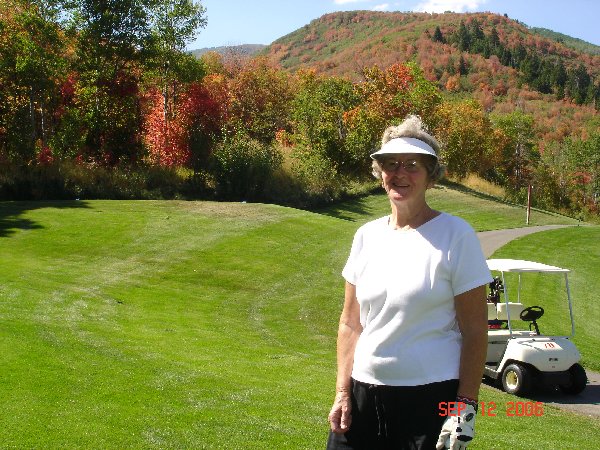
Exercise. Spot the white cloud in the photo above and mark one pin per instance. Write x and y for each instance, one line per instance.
(439, 6)
(343, 2)
(382, 7)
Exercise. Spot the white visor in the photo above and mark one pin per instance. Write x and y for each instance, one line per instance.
(404, 145)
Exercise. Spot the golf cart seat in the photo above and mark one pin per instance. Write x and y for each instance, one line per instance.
(513, 308)
(492, 313)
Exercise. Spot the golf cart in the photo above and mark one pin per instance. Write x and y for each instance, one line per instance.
(517, 357)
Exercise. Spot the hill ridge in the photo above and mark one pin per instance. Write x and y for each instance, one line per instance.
(377, 36)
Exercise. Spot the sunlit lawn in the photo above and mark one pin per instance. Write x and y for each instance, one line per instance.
(203, 325)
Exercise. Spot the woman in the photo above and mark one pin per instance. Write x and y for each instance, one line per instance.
(412, 332)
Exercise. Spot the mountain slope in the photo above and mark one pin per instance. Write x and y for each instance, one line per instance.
(244, 49)
(340, 43)
(575, 43)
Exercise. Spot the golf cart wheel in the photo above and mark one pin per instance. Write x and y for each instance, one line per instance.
(516, 379)
(578, 380)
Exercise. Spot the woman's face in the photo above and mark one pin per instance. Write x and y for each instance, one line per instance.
(404, 177)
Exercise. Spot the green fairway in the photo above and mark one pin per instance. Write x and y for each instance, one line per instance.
(156, 324)
(482, 212)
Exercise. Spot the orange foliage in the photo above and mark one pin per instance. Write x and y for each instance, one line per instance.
(165, 139)
(453, 83)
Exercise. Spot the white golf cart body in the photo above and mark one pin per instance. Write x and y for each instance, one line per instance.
(519, 357)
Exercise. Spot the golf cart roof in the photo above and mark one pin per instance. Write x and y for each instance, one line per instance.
(519, 265)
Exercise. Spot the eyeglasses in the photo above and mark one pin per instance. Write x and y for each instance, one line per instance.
(410, 165)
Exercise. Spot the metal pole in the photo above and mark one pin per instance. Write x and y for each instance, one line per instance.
(528, 202)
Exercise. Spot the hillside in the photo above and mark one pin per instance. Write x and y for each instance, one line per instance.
(532, 70)
(344, 42)
(575, 43)
(244, 49)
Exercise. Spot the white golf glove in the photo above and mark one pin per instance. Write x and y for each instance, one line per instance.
(458, 430)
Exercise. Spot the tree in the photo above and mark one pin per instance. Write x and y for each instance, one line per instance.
(543, 83)
(463, 67)
(205, 110)
(578, 81)
(319, 122)
(506, 58)
(110, 32)
(583, 164)
(466, 134)
(559, 78)
(478, 40)
(242, 167)
(30, 68)
(261, 97)
(198, 121)
(111, 39)
(518, 55)
(174, 24)
(517, 149)
(530, 68)
(438, 36)
(495, 44)
(463, 38)
(166, 140)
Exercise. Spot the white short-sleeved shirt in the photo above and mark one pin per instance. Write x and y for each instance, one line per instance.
(406, 282)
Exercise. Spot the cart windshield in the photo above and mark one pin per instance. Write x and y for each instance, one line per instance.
(530, 284)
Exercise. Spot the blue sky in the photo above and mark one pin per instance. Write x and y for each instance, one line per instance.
(234, 22)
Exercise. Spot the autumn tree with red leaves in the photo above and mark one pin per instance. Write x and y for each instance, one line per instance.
(188, 137)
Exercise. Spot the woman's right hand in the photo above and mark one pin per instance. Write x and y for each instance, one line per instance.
(340, 416)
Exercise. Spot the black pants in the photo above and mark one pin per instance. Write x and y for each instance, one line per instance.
(395, 417)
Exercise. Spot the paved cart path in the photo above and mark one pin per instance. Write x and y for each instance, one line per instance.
(493, 240)
(588, 402)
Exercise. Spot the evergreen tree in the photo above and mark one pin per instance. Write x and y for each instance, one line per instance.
(578, 84)
(506, 57)
(450, 67)
(559, 79)
(463, 68)
(593, 95)
(478, 38)
(518, 56)
(438, 36)
(486, 50)
(463, 38)
(495, 44)
(545, 77)
(530, 68)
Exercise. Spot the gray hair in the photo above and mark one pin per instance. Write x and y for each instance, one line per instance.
(413, 127)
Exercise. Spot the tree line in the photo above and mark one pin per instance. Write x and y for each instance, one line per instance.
(545, 74)
(100, 99)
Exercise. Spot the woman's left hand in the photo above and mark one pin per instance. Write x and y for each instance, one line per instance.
(458, 430)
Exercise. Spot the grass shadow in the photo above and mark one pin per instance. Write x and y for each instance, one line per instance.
(482, 195)
(350, 209)
(11, 214)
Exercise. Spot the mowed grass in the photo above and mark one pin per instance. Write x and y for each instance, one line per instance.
(191, 325)
(481, 211)
(166, 324)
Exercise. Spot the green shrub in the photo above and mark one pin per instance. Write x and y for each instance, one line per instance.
(63, 180)
(242, 166)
